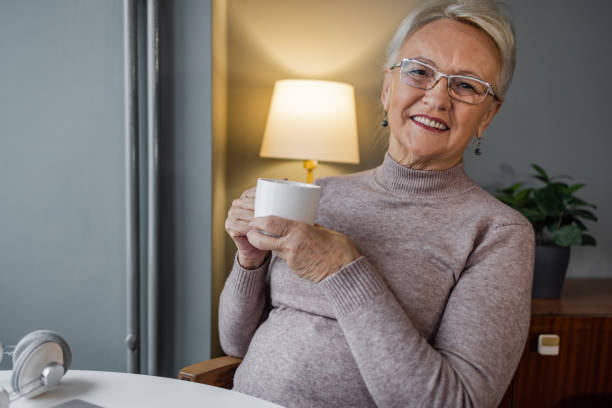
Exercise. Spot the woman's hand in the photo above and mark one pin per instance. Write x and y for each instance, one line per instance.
(312, 252)
(236, 225)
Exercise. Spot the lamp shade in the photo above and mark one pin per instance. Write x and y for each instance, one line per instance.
(312, 120)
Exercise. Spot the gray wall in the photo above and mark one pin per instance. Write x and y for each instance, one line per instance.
(61, 176)
(186, 180)
(557, 113)
(62, 227)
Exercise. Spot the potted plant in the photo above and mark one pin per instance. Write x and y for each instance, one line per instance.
(557, 217)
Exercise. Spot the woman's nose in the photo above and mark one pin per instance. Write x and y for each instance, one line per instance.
(438, 97)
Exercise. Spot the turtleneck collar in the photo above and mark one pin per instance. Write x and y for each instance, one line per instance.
(396, 178)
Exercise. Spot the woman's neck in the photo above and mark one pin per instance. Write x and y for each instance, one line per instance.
(412, 161)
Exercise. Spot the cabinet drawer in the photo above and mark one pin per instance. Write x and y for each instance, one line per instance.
(580, 375)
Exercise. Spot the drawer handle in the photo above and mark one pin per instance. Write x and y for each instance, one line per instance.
(548, 344)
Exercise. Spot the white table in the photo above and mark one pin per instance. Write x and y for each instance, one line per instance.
(110, 390)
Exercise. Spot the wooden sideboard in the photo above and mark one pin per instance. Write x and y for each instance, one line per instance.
(581, 374)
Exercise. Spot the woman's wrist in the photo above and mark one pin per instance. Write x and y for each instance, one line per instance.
(252, 264)
(349, 253)
(350, 256)
(346, 257)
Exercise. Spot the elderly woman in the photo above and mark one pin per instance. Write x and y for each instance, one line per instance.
(414, 288)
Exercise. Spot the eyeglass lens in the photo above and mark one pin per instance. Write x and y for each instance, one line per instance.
(421, 76)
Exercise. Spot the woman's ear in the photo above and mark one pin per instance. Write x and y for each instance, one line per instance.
(385, 94)
(488, 117)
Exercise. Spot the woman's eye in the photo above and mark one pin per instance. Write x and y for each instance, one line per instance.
(466, 86)
(419, 72)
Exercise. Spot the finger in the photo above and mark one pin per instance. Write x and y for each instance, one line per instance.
(272, 224)
(249, 193)
(246, 203)
(234, 234)
(237, 213)
(322, 228)
(262, 242)
(238, 228)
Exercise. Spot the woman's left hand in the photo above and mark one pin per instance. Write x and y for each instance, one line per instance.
(312, 252)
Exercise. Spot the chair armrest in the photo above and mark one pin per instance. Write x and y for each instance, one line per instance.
(217, 371)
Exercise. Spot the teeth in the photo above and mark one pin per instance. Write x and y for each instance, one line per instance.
(429, 122)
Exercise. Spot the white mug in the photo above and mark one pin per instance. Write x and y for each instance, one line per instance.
(288, 199)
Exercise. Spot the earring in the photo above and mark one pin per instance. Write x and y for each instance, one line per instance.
(477, 151)
(385, 122)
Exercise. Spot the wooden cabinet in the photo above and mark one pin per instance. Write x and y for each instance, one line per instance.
(581, 374)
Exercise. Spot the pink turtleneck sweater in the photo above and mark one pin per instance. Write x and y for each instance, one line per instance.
(434, 313)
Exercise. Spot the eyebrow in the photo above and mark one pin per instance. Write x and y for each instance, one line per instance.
(462, 72)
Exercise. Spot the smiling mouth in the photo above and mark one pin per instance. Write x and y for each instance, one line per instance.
(429, 124)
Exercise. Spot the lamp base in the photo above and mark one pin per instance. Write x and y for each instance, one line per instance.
(310, 165)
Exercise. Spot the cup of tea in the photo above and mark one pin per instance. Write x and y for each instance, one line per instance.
(288, 199)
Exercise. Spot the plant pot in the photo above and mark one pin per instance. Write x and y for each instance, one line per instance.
(549, 271)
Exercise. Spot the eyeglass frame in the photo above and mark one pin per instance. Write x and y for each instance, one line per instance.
(440, 75)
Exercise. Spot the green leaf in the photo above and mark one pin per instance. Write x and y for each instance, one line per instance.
(574, 187)
(511, 189)
(578, 202)
(567, 199)
(585, 214)
(508, 200)
(544, 176)
(549, 202)
(588, 240)
(579, 223)
(567, 236)
(532, 214)
(559, 187)
(523, 196)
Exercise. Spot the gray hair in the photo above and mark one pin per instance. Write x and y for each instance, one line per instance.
(487, 15)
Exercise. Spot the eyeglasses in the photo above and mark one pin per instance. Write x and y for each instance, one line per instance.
(462, 88)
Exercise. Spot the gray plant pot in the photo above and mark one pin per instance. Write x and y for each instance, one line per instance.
(549, 271)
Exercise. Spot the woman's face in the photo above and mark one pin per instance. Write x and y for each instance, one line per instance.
(452, 48)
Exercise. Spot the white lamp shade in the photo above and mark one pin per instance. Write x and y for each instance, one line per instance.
(312, 120)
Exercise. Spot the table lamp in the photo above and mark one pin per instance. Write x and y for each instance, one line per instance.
(311, 120)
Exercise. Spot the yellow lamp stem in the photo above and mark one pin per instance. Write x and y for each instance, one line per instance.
(310, 165)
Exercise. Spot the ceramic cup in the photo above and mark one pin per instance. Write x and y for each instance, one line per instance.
(288, 199)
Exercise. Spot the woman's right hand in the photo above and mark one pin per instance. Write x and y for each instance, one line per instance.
(239, 215)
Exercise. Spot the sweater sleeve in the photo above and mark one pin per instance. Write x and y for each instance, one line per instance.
(479, 341)
(241, 307)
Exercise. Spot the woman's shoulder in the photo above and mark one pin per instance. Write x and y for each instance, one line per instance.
(493, 211)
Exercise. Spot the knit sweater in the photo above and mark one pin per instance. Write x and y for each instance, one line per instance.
(434, 313)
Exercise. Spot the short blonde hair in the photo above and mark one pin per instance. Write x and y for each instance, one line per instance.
(487, 15)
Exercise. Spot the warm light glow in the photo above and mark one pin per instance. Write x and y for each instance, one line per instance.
(312, 120)
(316, 39)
